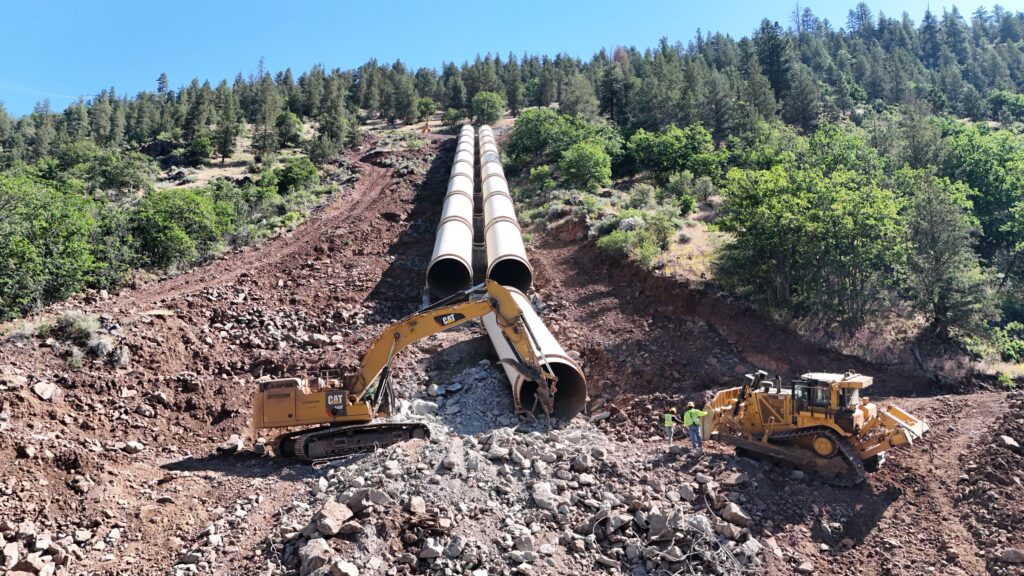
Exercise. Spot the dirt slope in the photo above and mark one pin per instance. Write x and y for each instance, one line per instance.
(70, 468)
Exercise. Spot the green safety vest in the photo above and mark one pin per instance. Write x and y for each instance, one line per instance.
(692, 417)
(670, 421)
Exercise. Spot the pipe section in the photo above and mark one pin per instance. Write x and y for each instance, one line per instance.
(571, 388)
(451, 265)
(506, 254)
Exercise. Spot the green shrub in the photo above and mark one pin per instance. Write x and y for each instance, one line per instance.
(296, 174)
(617, 243)
(637, 245)
(674, 150)
(686, 205)
(541, 177)
(704, 188)
(661, 226)
(199, 151)
(426, 108)
(1006, 380)
(1009, 341)
(77, 327)
(289, 128)
(586, 165)
(606, 225)
(174, 227)
(75, 359)
(452, 118)
(645, 251)
(488, 107)
(641, 196)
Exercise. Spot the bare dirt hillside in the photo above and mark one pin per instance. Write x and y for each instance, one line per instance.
(113, 467)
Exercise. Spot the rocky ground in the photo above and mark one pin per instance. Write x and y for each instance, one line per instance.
(991, 492)
(111, 420)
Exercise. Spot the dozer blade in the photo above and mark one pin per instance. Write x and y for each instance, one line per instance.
(843, 469)
(335, 441)
(909, 427)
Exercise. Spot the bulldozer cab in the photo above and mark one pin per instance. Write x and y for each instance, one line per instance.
(835, 396)
(812, 396)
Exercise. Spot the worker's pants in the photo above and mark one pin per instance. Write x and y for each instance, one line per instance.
(670, 430)
(695, 440)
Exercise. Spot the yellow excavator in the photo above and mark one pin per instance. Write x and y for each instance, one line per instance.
(343, 411)
(821, 422)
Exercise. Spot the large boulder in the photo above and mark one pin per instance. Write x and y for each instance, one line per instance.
(1012, 556)
(735, 515)
(544, 497)
(314, 555)
(332, 517)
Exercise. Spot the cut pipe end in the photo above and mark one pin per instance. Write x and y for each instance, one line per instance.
(570, 393)
(446, 276)
(512, 271)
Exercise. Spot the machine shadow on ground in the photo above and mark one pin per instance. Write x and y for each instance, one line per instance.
(401, 283)
(245, 464)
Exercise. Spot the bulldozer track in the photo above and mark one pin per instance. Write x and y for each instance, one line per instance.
(849, 456)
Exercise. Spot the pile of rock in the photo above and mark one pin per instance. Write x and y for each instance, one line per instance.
(27, 549)
(516, 500)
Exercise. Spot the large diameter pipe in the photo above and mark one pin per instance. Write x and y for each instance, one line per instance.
(491, 170)
(571, 387)
(461, 167)
(451, 265)
(463, 156)
(506, 254)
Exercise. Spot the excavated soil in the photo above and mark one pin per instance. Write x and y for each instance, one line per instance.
(115, 464)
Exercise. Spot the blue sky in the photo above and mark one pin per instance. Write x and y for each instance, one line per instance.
(65, 49)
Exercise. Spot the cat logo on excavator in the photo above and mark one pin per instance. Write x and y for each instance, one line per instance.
(447, 319)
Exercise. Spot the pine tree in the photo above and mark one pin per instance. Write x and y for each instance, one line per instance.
(578, 98)
(200, 112)
(613, 92)
(100, 114)
(403, 99)
(161, 83)
(946, 279)
(229, 124)
(773, 53)
(455, 92)
(76, 121)
(45, 133)
(5, 129)
(757, 91)
(268, 106)
(803, 104)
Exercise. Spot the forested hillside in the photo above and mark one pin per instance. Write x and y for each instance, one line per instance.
(851, 169)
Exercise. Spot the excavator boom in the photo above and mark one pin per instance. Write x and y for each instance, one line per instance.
(346, 412)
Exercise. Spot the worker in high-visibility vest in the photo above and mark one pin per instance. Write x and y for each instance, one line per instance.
(691, 419)
(668, 420)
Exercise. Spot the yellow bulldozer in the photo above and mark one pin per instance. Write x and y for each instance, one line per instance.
(336, 416)
(821, 422)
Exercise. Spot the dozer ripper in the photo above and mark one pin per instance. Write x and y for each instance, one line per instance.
(338, 416)
(821, 423)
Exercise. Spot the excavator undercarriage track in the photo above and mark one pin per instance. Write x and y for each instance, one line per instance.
(781, 447)
(335, 441)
